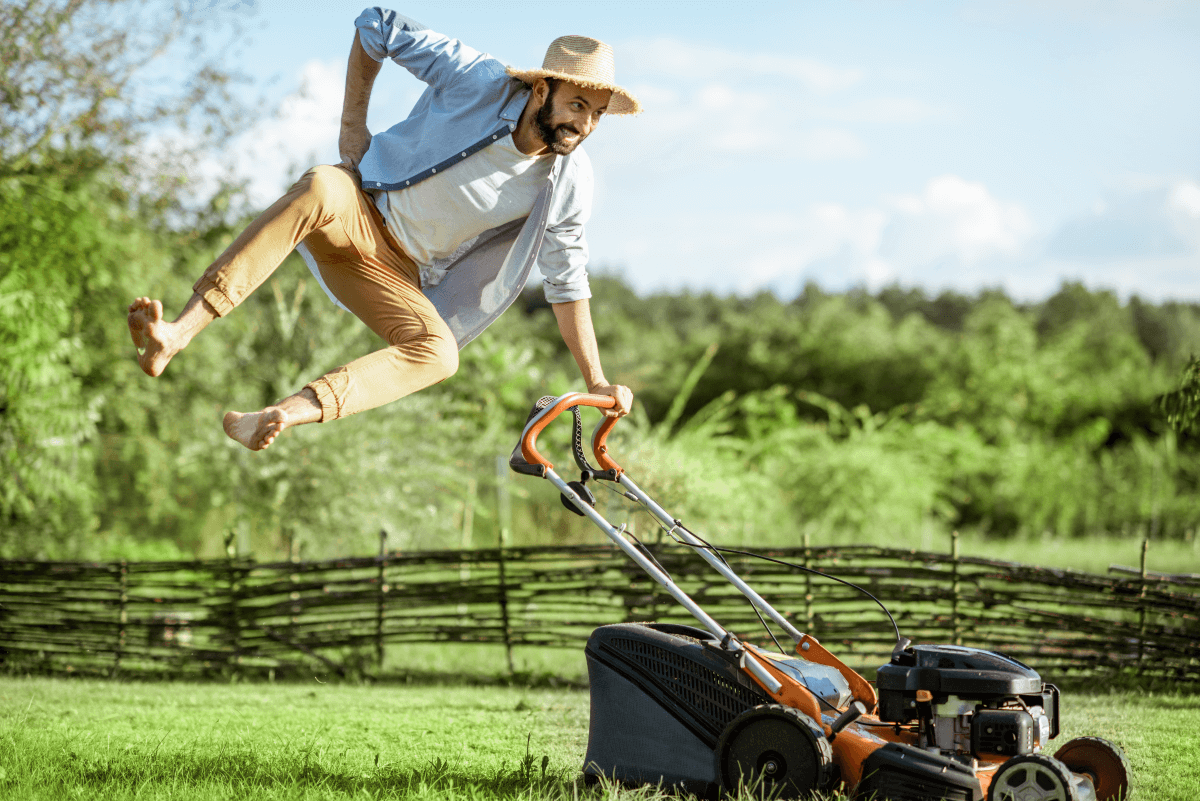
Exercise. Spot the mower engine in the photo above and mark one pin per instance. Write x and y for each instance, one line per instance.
(968, 702)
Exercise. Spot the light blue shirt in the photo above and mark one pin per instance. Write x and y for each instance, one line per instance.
(471, 102)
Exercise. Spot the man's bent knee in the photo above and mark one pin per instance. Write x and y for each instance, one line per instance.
(445, 351)
(331, 186)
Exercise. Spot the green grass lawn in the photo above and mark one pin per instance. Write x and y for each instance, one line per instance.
(95, 739)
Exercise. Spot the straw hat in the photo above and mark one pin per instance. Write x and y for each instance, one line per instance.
(586, 62)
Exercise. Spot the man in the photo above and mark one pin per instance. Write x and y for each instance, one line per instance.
(428, 231)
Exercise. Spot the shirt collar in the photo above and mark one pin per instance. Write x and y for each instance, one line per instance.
(516, 104)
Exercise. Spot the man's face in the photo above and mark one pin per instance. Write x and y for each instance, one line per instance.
(569, 114)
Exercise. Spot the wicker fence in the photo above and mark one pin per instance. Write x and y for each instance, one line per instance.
(239, 616)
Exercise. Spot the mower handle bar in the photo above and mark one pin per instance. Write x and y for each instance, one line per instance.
(556, 406)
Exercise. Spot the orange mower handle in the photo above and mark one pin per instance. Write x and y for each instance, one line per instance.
(599, 439)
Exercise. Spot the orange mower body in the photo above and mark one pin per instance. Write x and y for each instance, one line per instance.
(698, 708)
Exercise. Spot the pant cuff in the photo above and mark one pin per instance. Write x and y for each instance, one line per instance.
(214, 296)
(330, 408)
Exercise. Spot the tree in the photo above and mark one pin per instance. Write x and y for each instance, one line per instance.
(78, 212)
(1181, 406)
(76, 77)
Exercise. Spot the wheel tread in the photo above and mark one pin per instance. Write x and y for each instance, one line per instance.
(816, 732)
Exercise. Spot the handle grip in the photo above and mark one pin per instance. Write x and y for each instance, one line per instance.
(528, 444)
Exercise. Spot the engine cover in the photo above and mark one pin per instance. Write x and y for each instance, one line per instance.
(944, 670)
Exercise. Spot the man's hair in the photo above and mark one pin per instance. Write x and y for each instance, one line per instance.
(552, 85)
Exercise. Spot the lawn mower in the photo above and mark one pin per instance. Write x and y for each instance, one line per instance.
(701, 710)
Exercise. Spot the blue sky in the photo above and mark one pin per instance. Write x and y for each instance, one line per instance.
(956, 145)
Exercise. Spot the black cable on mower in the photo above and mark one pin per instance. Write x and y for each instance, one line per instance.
(645, 550)
(718, 551)
(715, 549)
(797, 567)
(753, 606)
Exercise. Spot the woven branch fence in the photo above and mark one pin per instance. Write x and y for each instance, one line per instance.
(214, 618)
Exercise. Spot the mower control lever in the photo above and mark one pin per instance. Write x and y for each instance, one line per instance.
(853, 712)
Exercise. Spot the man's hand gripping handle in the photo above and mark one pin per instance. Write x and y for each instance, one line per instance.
(526, 458)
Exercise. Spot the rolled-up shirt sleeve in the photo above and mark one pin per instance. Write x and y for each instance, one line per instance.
(563, 261)
(385, 34)
(430, 56)
(563, 255)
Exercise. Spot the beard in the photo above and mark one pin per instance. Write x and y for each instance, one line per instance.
(552, 135)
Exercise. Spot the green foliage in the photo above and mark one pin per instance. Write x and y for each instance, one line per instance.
(1181, 407)
(851, 415)
(77, 77)
(63, 244)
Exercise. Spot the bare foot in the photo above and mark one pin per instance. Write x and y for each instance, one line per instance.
(151, 335)
(256, 430)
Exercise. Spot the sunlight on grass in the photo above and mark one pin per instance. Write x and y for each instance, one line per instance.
(77, 739)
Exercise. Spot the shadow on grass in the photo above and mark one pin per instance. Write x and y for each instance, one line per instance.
(246, 772)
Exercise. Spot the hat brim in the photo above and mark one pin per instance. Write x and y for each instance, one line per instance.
(622, 102)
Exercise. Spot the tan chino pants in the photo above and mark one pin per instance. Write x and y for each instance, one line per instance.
(364, 267)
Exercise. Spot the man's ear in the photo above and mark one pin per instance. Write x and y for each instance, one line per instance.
(541, 90)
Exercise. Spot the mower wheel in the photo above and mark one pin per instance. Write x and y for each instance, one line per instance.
(1103, 761)
(775, 751)
(1033, 777)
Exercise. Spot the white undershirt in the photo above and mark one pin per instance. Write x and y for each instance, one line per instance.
(450, 208)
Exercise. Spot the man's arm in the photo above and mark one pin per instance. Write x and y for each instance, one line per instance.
(575, 325)
(355, 139)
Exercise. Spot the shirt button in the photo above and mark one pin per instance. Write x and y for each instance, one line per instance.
(434, 169)
(512, 126)
(495, 136)
(408, 183)
(464, 155)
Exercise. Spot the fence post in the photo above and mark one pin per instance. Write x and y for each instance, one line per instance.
(122, 614)
(955, 624)
(468, 536)
(293, 579)
(232, 623)
(1142, 602)
(381, 582)
(504, 518)
(808, 584)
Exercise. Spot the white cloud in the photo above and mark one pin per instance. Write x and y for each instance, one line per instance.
(274, 151)
(953, 233)
(954, 220)
(1183, 210)
(713, 121)
(1143, 238)
(883, 111)
(303, 132)
(1151, 218)
(672, 58)
(709, 105)
(826, 144)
